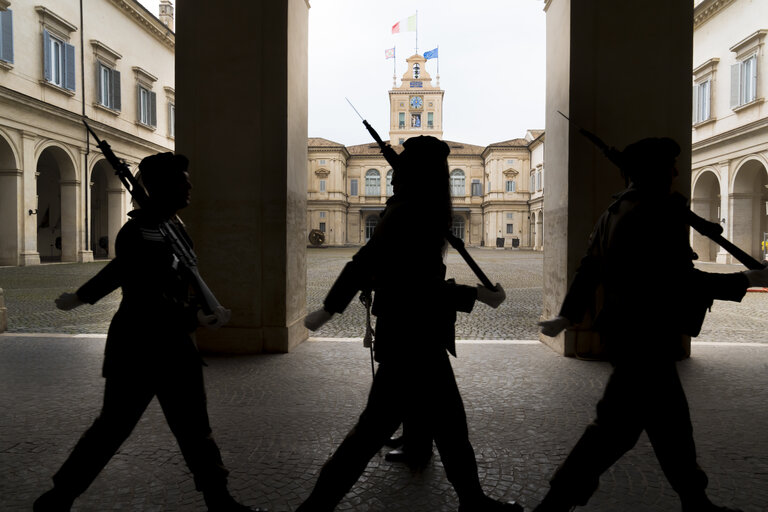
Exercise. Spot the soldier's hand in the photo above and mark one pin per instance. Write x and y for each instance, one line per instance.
(757, 278)
(316, 319)
(554, 326)
(220, 316)
(491, 297)
(67, 301)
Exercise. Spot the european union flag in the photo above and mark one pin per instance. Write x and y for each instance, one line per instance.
(432, 54)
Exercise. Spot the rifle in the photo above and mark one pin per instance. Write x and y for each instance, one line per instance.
(711, 230)
(392, 158)
(173, 236)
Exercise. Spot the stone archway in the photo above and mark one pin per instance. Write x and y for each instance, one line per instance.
(748, 204)
(705, 202)
(107, 211)
(11, 225)
(56, 206)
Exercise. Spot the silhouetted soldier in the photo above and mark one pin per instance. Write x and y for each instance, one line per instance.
(650, 299)
(150, 349)
(416, 311)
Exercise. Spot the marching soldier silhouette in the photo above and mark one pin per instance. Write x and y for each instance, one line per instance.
(150, 351)
(649, 300)
(416, 310)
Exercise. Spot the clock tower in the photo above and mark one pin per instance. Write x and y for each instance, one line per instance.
(416, 107)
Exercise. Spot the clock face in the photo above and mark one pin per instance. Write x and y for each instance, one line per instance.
(416, 102)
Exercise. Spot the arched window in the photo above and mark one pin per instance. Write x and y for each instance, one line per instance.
(457, 183)
(389, 183)
(416, 70)
(372, 183)
(457, 227)
(370, 226)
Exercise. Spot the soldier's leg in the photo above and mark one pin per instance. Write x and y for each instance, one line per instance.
(616, 429)
(671, 434)
(376, 424)
(125, 400)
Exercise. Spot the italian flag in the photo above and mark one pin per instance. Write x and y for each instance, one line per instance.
(406, 25)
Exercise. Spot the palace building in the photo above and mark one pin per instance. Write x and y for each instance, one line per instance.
(497, 189)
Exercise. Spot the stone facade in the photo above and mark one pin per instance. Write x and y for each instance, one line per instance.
(730, 124)
(497, 189)
(59, 198)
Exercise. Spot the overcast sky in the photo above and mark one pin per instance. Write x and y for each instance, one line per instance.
(492, 65)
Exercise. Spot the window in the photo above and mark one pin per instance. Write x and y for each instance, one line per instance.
(322, 162)
(322, 215)
(353, 187)
(147, 107)
(744, 81)
(477, 188)
(372, 183)
(538, 180)
(457, 227)
(510, 215)
(511, 161)
(322, 185)
(59, 62)
(430, 119)
(457, 183)
(701, 101)
(171, 120)
(416, 70)
(322, 227)
(510, 186)
(401, 120)
(370, 226)
(510, 229)
(6, 36)
(415, 120)
(400, 141)
(389, 183)
(109, 87)
(533, 182)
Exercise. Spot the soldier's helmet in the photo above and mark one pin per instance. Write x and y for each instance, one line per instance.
(649, 159)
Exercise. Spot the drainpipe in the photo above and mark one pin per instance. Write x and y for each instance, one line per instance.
(87, 179)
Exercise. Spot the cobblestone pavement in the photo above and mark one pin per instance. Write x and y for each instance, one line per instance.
(278, 417)
(30, 292)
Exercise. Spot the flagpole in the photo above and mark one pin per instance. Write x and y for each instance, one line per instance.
(417, 32)
(394, 69)
(438, 65)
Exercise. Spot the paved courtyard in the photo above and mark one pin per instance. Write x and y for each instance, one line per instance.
(29, 293)
(278, 417)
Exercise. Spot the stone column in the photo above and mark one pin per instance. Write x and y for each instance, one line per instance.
(724, 174)
(71, 230)
(29, 254)
(622, 71)
(243, 125)
(115, 215)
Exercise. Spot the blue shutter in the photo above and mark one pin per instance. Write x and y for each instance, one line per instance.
(69, 66)
(152, 108)
(735, 84)
(115, 92)
(47, 56)
(6, 31)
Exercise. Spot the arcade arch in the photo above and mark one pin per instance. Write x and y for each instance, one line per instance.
(56, 205)
(748, 205)
(705, 202)
(11, 207)
(107, 210)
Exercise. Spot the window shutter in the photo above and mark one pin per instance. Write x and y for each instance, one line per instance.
(69, 67)
(6, 30)
(115, 92)
(735, 84)
(99, 81)
(47, 56)
(695, 104)
(753, 78)
(152, 108)
(138, 103)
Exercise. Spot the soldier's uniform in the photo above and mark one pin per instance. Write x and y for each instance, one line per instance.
(639, 264)
(150, 351)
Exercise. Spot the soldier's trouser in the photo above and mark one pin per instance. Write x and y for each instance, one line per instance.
(637, 397)
(181, 394)
(400, 387)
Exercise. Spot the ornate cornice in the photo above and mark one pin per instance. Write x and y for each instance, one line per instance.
(149, 23)
(708, 9)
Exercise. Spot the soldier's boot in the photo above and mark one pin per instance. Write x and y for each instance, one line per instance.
(55, 500)
(486, 504)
